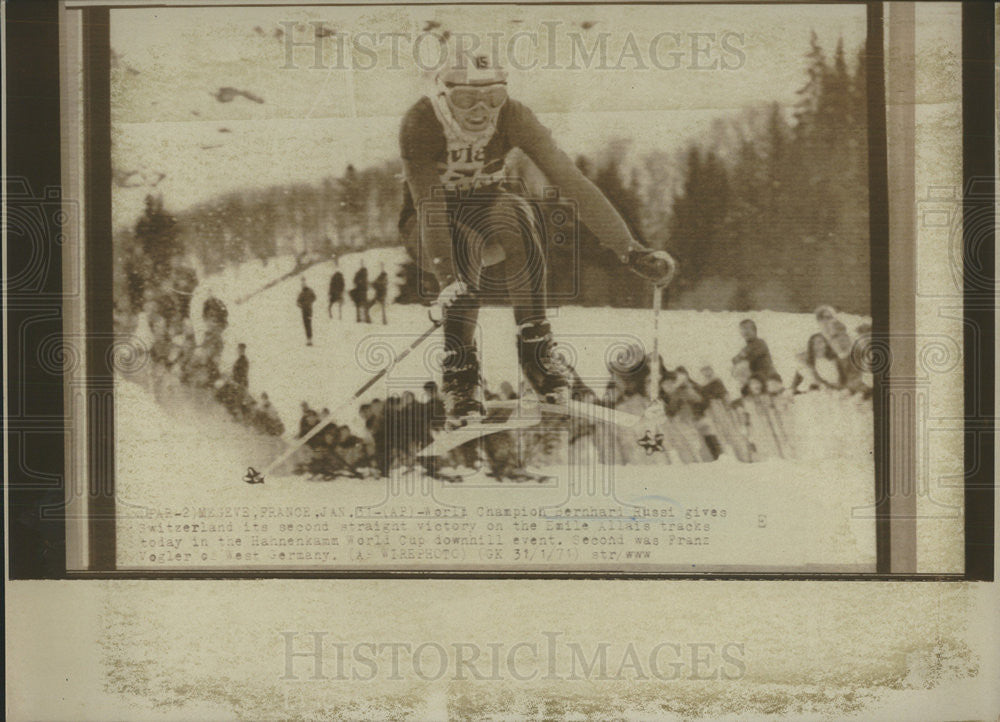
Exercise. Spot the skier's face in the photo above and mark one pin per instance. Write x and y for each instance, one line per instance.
(476, 108)
(748, 332)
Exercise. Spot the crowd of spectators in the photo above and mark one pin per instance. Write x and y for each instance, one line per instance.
(394, 431)
(179, 363)
(828, 364)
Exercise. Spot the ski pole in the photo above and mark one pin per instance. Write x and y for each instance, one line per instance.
(654, 392)
(657, 304)
(256, 477)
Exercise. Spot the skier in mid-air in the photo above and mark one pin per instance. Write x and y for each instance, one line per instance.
(456, 139)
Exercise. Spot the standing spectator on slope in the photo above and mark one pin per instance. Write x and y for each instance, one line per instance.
(758, 357)
(241, 368)
(335, 295)
(381, 288)
(305, 301)
(359, 295)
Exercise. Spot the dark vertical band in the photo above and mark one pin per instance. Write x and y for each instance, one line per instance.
(904, 388)
(878, 228)
(33, 286)
(979, 285)
(98, 280)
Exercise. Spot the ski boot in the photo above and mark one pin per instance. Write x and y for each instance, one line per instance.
(463, 404)
(462, 388)
(544, 368)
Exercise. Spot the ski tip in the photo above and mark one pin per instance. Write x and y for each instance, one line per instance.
(253, 476)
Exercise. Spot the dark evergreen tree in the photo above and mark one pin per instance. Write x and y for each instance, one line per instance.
(156, 234)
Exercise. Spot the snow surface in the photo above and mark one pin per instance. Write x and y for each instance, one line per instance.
(177, 456)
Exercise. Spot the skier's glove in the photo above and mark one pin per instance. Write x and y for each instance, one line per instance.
(450, 294)
(658, 267)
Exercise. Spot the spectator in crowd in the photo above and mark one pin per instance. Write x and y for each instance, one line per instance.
(308, 420)
(335, 295)
(435, 406)
(376, 423)
(359, 295)
(351, 448)
(393, 428)
(682, 396)
(367, 419)
(164, 302)
(819, 368)
(834, 331)
(203, 370)
(695, 400)
(755, 387)
(165, 328)
(212, 342)
(629, 376)
(214, 312)
(713, 388)
(305, 301)
(248, 407)
(380, 286)
(267, 419)
(183, 282)
(241, 367)
(411, 427)
(231, 395)
(758, 357)
(324, 462)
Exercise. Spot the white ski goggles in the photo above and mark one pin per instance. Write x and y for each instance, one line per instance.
(466, 97)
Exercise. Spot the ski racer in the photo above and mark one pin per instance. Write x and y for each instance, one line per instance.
(454, 142)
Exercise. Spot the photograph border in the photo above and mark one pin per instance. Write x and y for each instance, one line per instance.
(41, 552)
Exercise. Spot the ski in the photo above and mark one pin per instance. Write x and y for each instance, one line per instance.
(522, 476)
(451, 477)
(575, 409)
(449, 440)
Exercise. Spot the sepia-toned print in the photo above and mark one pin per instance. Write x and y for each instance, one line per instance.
(501, 289)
